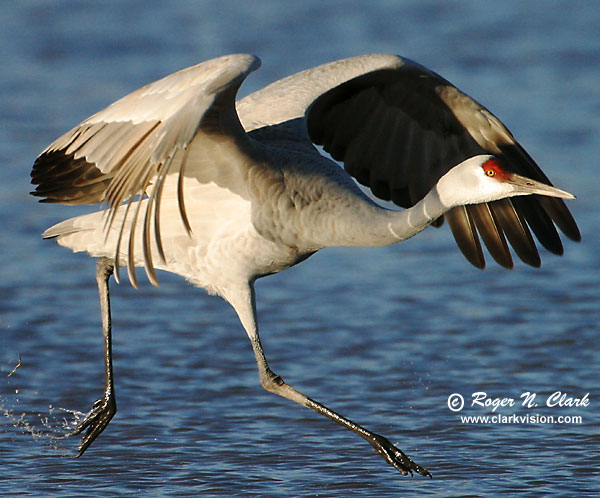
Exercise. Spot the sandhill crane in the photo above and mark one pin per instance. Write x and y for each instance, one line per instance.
(224, 192)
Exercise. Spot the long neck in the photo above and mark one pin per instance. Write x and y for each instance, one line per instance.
(409, 222)
(379, 227)
(333, 211)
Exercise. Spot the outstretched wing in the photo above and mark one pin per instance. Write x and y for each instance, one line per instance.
(398, 128)
(129, 149)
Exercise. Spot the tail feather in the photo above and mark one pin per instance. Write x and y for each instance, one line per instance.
(66, 227)
(83, 233)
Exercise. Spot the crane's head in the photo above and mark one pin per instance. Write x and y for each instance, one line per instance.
(484, 179)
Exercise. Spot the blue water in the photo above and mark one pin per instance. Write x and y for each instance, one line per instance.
(384, 336)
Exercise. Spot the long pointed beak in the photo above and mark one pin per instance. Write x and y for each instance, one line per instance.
(526, 185)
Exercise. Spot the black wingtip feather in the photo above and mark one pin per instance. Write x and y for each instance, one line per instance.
(62, 178)
(491, 233)
(516, 231)
(465, 235)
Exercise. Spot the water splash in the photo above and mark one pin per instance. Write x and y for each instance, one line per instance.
(50, 429)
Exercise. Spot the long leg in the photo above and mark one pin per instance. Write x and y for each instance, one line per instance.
(105, 408)
(246, 309)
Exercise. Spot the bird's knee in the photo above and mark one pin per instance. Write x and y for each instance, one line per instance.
(271, 381)
(105, 266)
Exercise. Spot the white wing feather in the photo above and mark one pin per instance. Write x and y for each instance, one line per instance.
(145, 137)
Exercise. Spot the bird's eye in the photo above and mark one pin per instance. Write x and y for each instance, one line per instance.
(490, 172)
